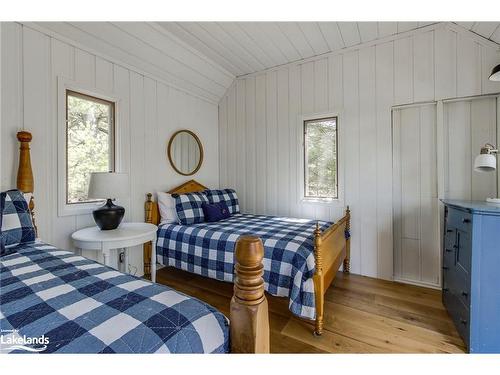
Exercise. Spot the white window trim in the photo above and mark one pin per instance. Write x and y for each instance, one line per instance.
(63, 84)
(331, 202)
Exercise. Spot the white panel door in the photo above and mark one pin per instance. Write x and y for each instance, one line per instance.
(415, 196)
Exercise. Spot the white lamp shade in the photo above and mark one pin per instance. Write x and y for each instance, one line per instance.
(495, 74)
(105, 185)
(485, 163)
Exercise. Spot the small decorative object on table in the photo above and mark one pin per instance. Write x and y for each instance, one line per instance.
(109, 186)
(487, 162)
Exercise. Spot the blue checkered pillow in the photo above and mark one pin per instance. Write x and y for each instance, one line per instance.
(189, 207)
(224, 195)
(17, 226)
(2, 203)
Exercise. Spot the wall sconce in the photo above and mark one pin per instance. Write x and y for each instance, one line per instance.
(486, 161)
(495, 74)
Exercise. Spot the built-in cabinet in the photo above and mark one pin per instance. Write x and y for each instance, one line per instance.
(471, 281)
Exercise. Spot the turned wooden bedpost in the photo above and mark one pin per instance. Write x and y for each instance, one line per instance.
(25, 181)
(148, 210)
(347, 260)
(319, 286)
(248, 313)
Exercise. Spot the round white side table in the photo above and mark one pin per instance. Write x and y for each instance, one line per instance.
(123, 237)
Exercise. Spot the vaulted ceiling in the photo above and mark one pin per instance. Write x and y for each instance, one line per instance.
(205, 57)
(247, 47)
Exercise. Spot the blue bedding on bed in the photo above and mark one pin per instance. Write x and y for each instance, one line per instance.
(81, 306)
(207, 249)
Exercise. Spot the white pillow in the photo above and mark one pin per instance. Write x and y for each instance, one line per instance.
(168, 213)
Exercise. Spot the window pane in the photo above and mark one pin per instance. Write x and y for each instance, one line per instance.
(321, 158)
(89, 142)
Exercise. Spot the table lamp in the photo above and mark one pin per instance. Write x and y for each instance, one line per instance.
(109, 186)
(487, 162)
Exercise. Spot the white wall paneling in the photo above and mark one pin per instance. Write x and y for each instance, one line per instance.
(148, 49)
(363, 84)
(498, 145)
(415, 194)
(149, 113)
(468, 125)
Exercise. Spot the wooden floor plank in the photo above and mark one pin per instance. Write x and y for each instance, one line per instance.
(419, 315)
(362, 315)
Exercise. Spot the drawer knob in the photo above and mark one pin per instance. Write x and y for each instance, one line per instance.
(463, 321)
(445, 268)
(448, 250)
(455, 246)
(465, 221)
(445, 289)
(465, 294)
(449, 230)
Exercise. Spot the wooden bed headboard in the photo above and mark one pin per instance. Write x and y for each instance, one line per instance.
(25, 181)
(152, 214)
(151, 210)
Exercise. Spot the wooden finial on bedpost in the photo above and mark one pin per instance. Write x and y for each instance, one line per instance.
(25, 173)
(319, 286)
(249, 313)
(25, 181)
(347, 260)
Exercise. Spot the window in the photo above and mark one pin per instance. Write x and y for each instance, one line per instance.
(89, 142)
(321, 158)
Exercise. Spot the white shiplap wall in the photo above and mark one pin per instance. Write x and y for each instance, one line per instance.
(149, 112)
(259, 126)
(415, 195)
(468, 125)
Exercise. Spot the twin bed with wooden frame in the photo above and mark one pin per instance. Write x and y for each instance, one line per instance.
(249, 322)
(331, 248)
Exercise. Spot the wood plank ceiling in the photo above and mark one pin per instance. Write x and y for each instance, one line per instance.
(203, 58)
(247, 47)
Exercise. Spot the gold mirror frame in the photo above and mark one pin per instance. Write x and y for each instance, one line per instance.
(169, 152)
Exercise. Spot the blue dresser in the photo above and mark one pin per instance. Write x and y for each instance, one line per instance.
(471, 272)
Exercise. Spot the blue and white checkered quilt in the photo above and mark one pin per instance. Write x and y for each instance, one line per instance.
(207, 249)
(81, 306)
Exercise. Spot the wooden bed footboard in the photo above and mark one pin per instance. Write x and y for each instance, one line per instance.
(331, 249)
(249, 313)
(249, 316)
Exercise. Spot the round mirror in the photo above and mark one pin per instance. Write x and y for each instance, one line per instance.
(185, 152)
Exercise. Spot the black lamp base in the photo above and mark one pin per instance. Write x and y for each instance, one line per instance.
(109, 216)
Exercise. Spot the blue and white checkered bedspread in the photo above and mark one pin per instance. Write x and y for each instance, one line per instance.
(81, 306)
(207, 249)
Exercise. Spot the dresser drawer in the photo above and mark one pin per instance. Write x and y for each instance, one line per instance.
(462, 286)
(463, 251)
(462, 220)
(450, 238)
(459, 313)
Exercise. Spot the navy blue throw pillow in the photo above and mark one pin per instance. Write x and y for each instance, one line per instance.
(215, 211)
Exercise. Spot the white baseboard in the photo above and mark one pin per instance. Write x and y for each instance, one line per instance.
(418, 283)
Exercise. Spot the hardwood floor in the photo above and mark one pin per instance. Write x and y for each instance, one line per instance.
(362, 315)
